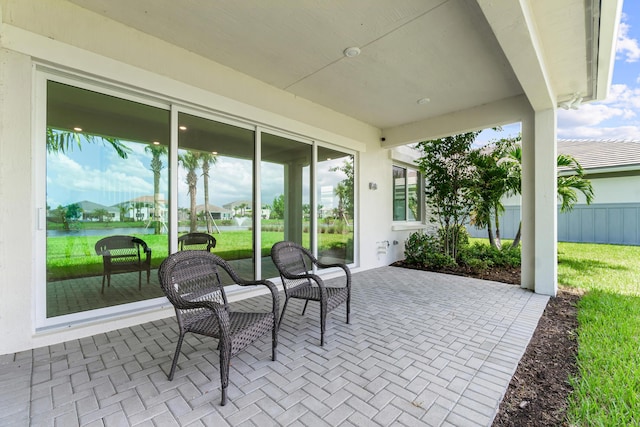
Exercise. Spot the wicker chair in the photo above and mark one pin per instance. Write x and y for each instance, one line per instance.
(191, 282)
(295, 263)
(196, 241)
(122, 254)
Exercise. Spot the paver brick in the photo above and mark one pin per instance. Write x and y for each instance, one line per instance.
(440, 355)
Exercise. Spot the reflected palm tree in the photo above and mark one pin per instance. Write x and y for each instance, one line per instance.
(59, 141)
(207, 161)
(157, 151)
(190, 161)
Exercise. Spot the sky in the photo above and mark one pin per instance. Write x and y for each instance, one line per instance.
(96, 174)
(618, 116)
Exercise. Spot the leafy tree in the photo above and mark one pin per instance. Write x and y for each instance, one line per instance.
(344, 189)
(73, 211)
(447, 164)
(277, 207)
(190, 161)
(157, 151)
(59, 141)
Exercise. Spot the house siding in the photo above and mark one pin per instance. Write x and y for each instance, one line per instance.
(612, 223)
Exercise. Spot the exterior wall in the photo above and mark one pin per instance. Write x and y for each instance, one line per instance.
(69, 37)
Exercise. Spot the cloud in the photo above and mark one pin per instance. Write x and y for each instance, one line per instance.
(600, 133)
(626, 46)
(591, 115)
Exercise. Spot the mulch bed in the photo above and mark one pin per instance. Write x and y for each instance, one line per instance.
(538, 392)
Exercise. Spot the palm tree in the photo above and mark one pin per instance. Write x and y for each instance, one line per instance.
(156, 166)
(207, 161)
(59, 141)
(568, 185)
(491, 184)
(191, 161)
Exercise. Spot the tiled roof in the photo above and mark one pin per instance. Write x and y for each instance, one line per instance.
(596, 154)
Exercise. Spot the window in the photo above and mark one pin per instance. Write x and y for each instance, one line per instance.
(215, 187)
(335, 206)
(106, 175)
(115, 167)
(407, 194)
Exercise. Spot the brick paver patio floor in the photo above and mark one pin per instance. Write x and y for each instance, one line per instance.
(422, 349)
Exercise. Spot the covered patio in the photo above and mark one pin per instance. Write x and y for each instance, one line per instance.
(422, 349)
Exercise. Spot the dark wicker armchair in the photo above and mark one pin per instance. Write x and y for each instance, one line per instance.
(196, 242)
(122, 254)
(295, 264)
(191, 280)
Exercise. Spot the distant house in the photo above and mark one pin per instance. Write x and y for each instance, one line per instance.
(613, 167)
(142, 209)
(96, 212)
(239, 207)
(216, 212)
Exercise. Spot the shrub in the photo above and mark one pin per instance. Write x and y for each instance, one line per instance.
(490, 256)
(426, 250)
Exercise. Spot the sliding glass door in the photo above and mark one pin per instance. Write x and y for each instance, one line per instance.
(106, 176)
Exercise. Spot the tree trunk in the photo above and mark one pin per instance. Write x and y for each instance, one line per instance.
(492, 241)
(498, 241)
(516, 240)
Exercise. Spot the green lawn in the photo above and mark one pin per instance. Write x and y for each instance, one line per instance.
(74, 256)
(607, 389)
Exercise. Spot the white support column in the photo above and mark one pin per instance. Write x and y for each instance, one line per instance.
(546, 205)
(527, 209)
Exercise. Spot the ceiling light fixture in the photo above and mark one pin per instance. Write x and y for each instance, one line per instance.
(423, 101)
(182, 127)
(156, 143)
(351, 52)
(77, 129)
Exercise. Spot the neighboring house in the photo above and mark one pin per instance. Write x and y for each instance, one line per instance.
(91, 210)
(239, 207)
(216, 212)
(613, 167)
(283, 97)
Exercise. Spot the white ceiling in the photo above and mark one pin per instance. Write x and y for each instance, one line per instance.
(444, 50)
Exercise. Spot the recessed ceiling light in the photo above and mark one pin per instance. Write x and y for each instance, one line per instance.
(423, 101)
(77, 129)
(156, 143)
(350, 52)
(182, 127)
(215, 153)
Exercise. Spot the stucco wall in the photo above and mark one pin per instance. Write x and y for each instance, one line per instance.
(70, 38)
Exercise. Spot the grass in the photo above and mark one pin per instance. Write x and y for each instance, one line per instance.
(74, 256)
(607, 389)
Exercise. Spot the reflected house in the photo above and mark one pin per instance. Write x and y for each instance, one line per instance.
(142, 209)
(96, 212)
(239, 207)
(216, 212)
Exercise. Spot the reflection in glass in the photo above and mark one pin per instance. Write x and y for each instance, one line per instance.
(413, 178)
(335, 186)
(285, 192)
(399, 194)
(215, 187)
(106, 175)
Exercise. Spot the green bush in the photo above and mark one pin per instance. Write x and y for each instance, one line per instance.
(489, 256)
(426, 250)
